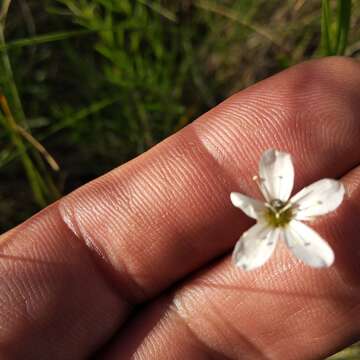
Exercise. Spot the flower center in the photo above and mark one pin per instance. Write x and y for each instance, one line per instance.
(278, 213)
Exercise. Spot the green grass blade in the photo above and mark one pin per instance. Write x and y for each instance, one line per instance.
(335, 36)
(30, 170)
(7, 81)
(3, 11)
(326, 28)
(67, 122)
(43, 39)
(343, 25)
(81, 114)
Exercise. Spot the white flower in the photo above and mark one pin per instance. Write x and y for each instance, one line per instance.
(280, 216)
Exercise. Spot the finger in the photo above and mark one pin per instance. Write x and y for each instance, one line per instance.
(54, 303)
(145, 219)
(147, 224)
(285, 310)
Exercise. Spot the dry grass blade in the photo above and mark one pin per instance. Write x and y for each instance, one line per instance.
(39, 147)
(233, 15)
(26, 135)
(33, 175)
(159, 9)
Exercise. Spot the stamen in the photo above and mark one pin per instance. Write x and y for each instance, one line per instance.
(268, 205)
(279, 213)
(286, 207)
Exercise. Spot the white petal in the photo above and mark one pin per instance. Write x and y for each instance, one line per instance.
(255, 246)
(318, 198)
(249, 206)
(307, 245)
(276, 175)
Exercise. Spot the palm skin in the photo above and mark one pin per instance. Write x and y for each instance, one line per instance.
(136, 264)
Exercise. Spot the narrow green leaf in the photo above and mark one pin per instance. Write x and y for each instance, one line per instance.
(335, 35)
(42, 39)
(326, 28)
(343, 25)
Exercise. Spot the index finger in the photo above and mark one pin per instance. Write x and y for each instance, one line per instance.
(168, 212)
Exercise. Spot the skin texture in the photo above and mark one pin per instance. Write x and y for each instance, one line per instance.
(136, 264)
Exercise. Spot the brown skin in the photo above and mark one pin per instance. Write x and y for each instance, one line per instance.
(159, 231)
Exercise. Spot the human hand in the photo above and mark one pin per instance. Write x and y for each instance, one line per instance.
(136, 264)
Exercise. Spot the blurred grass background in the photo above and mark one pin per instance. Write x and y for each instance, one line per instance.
(86, 85)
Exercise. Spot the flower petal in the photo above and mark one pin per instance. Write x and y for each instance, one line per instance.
(318, 198)
(255, 246)
(249, 206)
(307, 245)
(276, 175)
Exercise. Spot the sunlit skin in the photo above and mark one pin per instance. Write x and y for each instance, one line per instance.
(137, 264)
